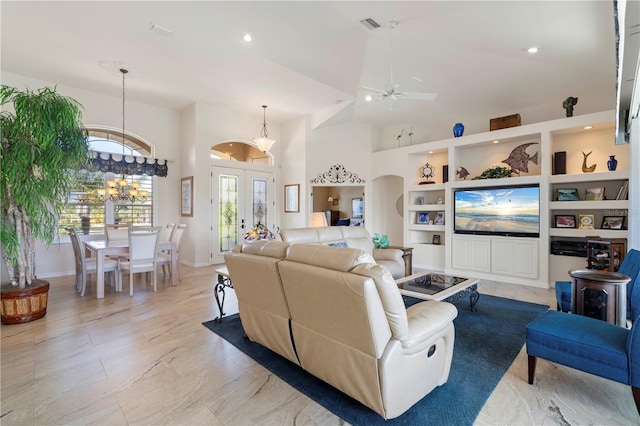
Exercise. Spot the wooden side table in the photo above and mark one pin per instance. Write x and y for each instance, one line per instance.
(407, 256)
(600, 294)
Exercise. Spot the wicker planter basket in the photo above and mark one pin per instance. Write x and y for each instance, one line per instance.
(24, 305)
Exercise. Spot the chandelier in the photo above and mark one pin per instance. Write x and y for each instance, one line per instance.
(263, 142)
(122, 189)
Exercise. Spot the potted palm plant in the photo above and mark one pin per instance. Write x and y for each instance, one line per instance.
(42, 138)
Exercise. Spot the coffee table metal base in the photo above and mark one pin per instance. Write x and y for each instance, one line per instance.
(223, 282)
(427, 285)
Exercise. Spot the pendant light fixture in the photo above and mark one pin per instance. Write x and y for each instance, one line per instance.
(263, 142)
(122, 189)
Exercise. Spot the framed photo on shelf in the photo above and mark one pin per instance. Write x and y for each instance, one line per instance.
(436, 240)
(420, 200)
(613, 222)
(585, 221)
(423, 217)
(439, 220)
(594, 194)
(565, 221)
(567, 194)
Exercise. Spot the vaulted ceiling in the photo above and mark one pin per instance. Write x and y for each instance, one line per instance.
(311, 58)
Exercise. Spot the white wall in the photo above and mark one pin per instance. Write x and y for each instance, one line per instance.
(347, 144)
(292, 154)
(214, 124)
(157, 126)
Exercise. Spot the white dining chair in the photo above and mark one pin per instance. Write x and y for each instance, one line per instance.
(167, 232)
(143, 246)
(165, 258)
(86, 266)
(117, 231)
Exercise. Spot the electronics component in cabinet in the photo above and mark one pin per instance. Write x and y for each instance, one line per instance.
(569, 248)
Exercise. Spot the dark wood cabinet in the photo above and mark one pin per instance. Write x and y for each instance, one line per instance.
(605, 254)
(332, 217)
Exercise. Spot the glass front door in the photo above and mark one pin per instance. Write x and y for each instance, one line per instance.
(241, 200)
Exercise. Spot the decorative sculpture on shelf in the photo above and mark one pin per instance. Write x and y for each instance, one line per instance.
(590, 168)
(426, 172)
(462, 173)
(518, 160)
(399, 137)
(568, 105)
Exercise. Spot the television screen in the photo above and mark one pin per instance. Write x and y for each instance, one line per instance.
(508, 211)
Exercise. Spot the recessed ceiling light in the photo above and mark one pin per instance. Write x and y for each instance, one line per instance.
(496, 141)
(247, 37)
(430, 152)
(533, 49)
(588, 127)
(368, 98)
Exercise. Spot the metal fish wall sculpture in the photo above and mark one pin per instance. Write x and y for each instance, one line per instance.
(518, 160)
(462, 172)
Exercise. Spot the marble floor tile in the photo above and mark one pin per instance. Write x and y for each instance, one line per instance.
(147, 359)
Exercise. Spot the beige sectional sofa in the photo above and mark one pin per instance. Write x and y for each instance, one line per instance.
(354, 237)
(340, 316)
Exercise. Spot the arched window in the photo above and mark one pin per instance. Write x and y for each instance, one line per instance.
(85, 211)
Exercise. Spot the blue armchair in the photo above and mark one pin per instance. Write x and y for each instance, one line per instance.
(630, 266)
(589, 345)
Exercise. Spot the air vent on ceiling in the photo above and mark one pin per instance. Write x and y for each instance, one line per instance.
(370, 23)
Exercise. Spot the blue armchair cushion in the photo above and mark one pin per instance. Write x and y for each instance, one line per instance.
(579, 342)
(343, 222)
(563, 295)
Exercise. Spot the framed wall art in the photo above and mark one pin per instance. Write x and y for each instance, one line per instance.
(594, 194)
(357, 208)
(613, 222)
(565, 221)
(585, 221)
(423, 217)
(186, 196)
(567, 194)
(292, 198)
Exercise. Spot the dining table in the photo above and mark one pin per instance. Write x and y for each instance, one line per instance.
(103, 248)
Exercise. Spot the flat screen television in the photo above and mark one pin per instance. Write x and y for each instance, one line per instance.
(512, 211)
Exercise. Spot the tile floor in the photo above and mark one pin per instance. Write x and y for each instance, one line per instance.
(148, 360)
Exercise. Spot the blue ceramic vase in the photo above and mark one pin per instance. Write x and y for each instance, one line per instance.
(612, 163)
(458, 130)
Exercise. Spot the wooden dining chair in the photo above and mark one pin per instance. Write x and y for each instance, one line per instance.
(143, 246)
(85, 265)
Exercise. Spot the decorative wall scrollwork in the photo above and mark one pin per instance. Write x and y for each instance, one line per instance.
(104, 162)
(337, 174)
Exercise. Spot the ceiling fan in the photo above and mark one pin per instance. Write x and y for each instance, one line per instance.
(393, 93)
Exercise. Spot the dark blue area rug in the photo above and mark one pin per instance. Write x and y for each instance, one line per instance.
(487, 341)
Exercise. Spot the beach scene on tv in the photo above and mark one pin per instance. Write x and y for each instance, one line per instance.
(499, 210)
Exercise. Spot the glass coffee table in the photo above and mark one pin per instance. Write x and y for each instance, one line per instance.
(428, 285)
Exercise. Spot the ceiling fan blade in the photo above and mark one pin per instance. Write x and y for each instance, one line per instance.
(371, 89)
(420, 96)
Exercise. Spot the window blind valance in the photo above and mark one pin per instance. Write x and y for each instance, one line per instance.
(128, 164)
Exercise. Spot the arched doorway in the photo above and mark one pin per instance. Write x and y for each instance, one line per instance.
(242, 193)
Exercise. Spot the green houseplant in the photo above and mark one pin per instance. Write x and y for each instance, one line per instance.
(42, 138)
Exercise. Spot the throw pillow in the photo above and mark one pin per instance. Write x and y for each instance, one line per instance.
(343, 222)
(338, 244)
